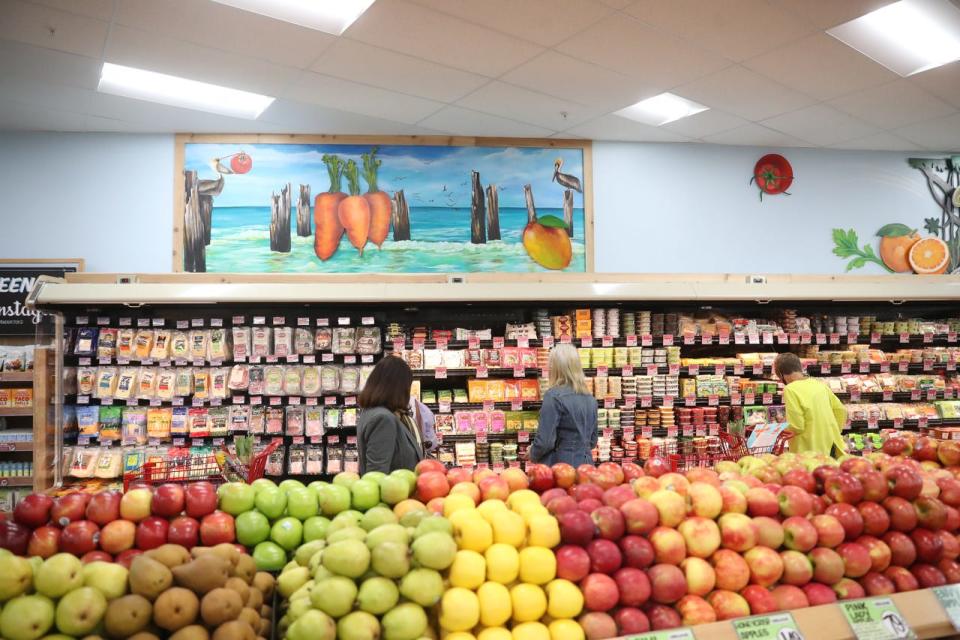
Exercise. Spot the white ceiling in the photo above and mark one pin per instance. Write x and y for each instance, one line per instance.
(540, 68)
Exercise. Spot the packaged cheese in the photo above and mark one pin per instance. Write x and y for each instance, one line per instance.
(134, 428)
(344, 340)
(179, 422)
(161, 345)
(106, 382)
(311, 381)
(159, 421)
(198, 422)
(201, 384)
(255, 387)
(107, 343)
(239, 378)
(147, 383)
(166, 383)
(303, 341)
(261, 342)
(323, 339)
(111, 419)
(125, 338)
(239, 418)
(273, 380)
(143, 344)
(282, 341)
(199, 339)
(180, 345)
(218, 382)
(127, 383)
(88, 420)
(292, 381)
(86, 380)
(241, 343)
(183, 385)
(217, 348)
(86, 343)
(109, 463)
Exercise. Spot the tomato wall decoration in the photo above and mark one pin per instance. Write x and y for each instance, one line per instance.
(241, 162)
(773, 174)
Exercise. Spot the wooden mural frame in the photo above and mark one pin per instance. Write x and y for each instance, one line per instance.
(180, 141)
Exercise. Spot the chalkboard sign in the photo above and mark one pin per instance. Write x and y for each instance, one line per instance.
(17, 278)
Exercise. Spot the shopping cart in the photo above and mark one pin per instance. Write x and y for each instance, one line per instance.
(218, 467)
(736, 445)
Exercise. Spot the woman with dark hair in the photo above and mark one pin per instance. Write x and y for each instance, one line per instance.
(387, 436)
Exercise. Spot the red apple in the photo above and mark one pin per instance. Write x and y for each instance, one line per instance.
(633, 585)
(762, 502)
(760, 600)
(516, 479)
(597, 625)
(661, 616)
(168, 500)
(184, 531)
(573, 563)
(69, 508)
(457, 475)
(929, 545)
(589, 505)
(576, 527)
(656, 467)
(818, 593)
(953, 520)
(44, 542)
(631, 621)
(588, 491)
(429, 464)
(668, 545)
(605, 556)
(821, 473)
(14, 537)
(586, 474)
(931, 513)
(33, 511)
(951, 546)
(609, 522)
(819, 505)
(637, 552)
(563, 475)
(125, 558)
(880, 554)
(876, 520)
(797, 568)
(631, 471)
(769, 532)
(950, 570)
(950, 490)
(800, 478)
(794, 501)
(902, 579)
(218, 527)
(799, 534)
(903, 516)
(849, 518)
(830, 532)
(843, 487)
(877, 584)
(737, 532)
(766, 566)
(925, 449)
(789, 597)
(200, 499)
(827, 565)
(856, 559)
(733, 500)
(561, 505)
(855, 466)
(928, 576)
(896, 447)
(104, 507)
(667, 582)
(482, 473)
(848, 589)
(640, 516)
(619, 495)
(732, 571)
(875, 487)
(694, 610)
(548, 495)
(118, 536)
(612, 468)
(79, 537)
(433, 484)
(903, 552)
(904, 482)
(600, 592)
(151, 533)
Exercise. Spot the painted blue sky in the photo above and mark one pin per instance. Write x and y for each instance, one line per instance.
(421, 171)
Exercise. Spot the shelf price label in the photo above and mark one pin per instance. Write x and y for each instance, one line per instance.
(483, 372)
(440, 373)
(724, 338)
(773, 626)
(547, 342)
(690, 401)
(903, 366)
(444, 406)
(652, 369)
(735, 398)
(845, 367)
(852, 337)
(646, 401)
(602, 371)
(667, 402)
(738, 369)
(629, 401)
(864, 367)
(875, 337)
(516, 405)
(689, 338)
(949, 597)
(667, 340)
(489, 405)
(441, 344)
(606, 341)
(928, 365)
(952, 336)
(888, 395)
(783, 338)
(713, 400)
(749, 398)
(767, 337)
(706, 338)
(927, 338)
(825, 369)
(646, 340)
(519, 372)
(767, 398)
(876, 619)
(834, 338)
(586, 343)
(719, 370)
(739, 338)
(693, 369)
(609, 402)
(473, 343)
(821, 338)
(904, 338)
(854, 394)
(626, 371)
(631, 341)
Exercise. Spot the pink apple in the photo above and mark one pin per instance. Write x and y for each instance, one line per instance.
(661, 616)
(876, 520)
(737, 532)
(589, 505)
(701, 578)
(732, 571)
(79, 537)
(44, 542)
(762, 502)
(184, 531)
(516, 479)
(827, 565)
(843, 487)
(830, 532)
(600, 592)
(700, 535)
(668, 545)
(34, 510)
(617, 496)
(904, 482)
(799, 534)
(631, 621)
(704, 500)
(605, 556)
(950, 569)
(491, 488)
(668, 583)
(856, 559)
(789, 597)
(800, 478)
(875, 487)
(597, 625)
(558, 506)
(457, 475)
(880, 554)
(951, 546)
(573, 563)
(564, 475)
(903, 552)
(797, 569)
(70, 507)
(929, 545)
(794, 501)
(633, 585)
(639, 515)
(928, 576)
(609, 522)
(902, 579)
(583, 492)
(644, 486)
(728, 604)
(759, 599)
(877, 584)
(168, 500)
(637, 551)
(671, 507)
(903, 516)
(769, 532)
(118, 536)
(766, 566)
(931, 513)
(818, 593)
(695, 610)
(849, 518)
(577, 527)
(733, 500)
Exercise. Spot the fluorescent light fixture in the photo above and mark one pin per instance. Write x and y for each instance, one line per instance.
(661, 109)
(329, 16)
(151, 86)
(906, 37)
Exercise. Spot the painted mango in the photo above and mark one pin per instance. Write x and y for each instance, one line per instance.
(547, 242)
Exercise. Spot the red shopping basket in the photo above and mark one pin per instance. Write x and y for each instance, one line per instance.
(193, 468)
(737, 448)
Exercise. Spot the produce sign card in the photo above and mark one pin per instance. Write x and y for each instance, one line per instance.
(765, 435)
(949, 597)
(778, 626)
(669, 634)
(876, 619)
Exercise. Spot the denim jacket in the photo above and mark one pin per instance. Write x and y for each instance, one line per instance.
(567, 430)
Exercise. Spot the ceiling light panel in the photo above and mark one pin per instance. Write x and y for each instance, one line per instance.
(329, 16)
(661, 109)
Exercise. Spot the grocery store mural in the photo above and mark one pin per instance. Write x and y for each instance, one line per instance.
(371, 208)
(901, 249)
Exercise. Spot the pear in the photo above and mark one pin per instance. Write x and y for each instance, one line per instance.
(149, 578)
(334, 596)
(313, 625)
(60, 573)
(349, 558)
(172, 555)
(16, 575)
(245, 568)
(391, 559)
(219, 606)
(378, 516)
(358, 625)
(203, 574)
(175, 609)
(434, 550)
(406, 621)
(433, 523)
(193, 632)
(306, 551)
(234, 630)
(423, 586)
(241, 587)
(265, 582)
(377, 596)
(109, 578)
(26, 617)
(127, 616)
(80, 611)
(290, 581)
(347, 533)
(387, 533)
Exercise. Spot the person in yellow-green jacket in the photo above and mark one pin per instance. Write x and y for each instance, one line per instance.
(814, 414)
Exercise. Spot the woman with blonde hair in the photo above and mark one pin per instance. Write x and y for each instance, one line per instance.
(568, 416)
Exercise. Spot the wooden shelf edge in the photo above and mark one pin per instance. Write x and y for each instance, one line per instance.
(16, 376)
(16, 411)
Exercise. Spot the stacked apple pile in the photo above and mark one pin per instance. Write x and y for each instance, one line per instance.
(167, 592)
(111, 525)
(652, 549)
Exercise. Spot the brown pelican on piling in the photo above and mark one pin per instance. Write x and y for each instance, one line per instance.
(565, 179)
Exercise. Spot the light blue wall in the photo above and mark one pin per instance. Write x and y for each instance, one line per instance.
(674, 208)
(105, 198)
(658, 207)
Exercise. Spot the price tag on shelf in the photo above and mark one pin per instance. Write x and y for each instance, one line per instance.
(949, 597)
(646, 401)
(483, 372)
(884, 367)
(523, 342)
(646, 340)
(473, 343)
(713, 400)
(109, 401)
(864, 367)
(888, 395)
(749, 397)
(609, 402)
(126, 322)
(767, 398)
(350, 401)
(586, 343)
(629, 401)
(238, 399)
(928, 365)
(821, 338)
(948, 393)
(923, 421)
(794, 338)
(269, 359)
(602, 370)
(143, 322)
(343, 321)
(689, 338)
(628, 434)
(952, 336)
(873, 422)
(216, 322)
(366, 320)
(197, 402)
(903, 366)
(782, 338)
(516, 405)
(329, 400)
(845, 367)
(690, 401)
(667, 402)
(852, 337)
(951, 364)
(719, 370)
(481, 437)
(399, 344)
(255, 400)
(646, 432)
(441, 344)
(927, 338)
(309, 359)
(687, 431)
(547, 342)
(772, 626)
(667, 340)
(275, 401)
(631, 341)
(706, 338)
(834, 338)
(738, 369)
(103, 361)
(805, 337)
(84, 362)
(323, 322)
(898, 423)
(498, 342)
(350, 359)
(293, 359)
(178, 401)
(519, 372)
(758, 369)
(366, 359)
(196, 322)
(875, 619)
(606, 341)
(154, 402)
(735, 398)
(723, 338)
(444, 406)
(693, 370)
(311, 402)
(626, 371)
(904, 338)
(739, 338)
(652, 369)
(854, 394)
(417, 343)
(440, 373)
(293, 400)
(875, 337)
(303, 321)
(324, 357)
(489, 405)
(767, 337)
(915, 395)
(931, 394)
(523, 436)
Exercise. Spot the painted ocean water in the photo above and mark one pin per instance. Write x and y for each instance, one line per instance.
(440, 243)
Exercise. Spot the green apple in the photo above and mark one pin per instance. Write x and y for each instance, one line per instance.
(263, 483)
(349, 558)
(306, 551)
(26, 617)
(373, 475)
(345, 479)
(343, 520)
(236, 497)
(315, 528)
(269, 556)
(364, 494)
(316, 484)
(334, 499)
(394, 489)
(107, 577)
(407, 475)
(413, 518)
(252, 528)
(378, 516)
(15, 576)
(290, 581)
(406, 621)
(271, 501)
(287, 532)
(58, 575)
(80, 611)
(313, 625)
(387, 533)
(334, 596)
(302, 504)
(347, 533)
(433, 523)
(290, 483)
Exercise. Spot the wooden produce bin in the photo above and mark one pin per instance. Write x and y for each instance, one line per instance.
(44, 419)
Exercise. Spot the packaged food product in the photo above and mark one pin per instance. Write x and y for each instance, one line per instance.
(159, 421)
(313, 421)
(310, 383)
(297, 459)
(127, 383)
(199, 339)
(180, 345)
(219, 420)
(166, 383)
(262, 338)
(84, 462)
(349, 417)
(88, 420)
(111, 419)
(241, 343)
(86, 342)
(292, 381)
(199, 425)
(368, 340)
(86, 380)
(161, 345)
(323, 339)
(329, 378)
(143, 344)
(239, 378)
(109, 463)
(314, 460)
(365, 372)
(239, 418)
(184, 382)
(256, 385)
(257, 419)
(273, 380)
(331, 418)
(106, 382)
(134, 428)
(107, 343)
(349, 380)
(295, 421)
(218, 348)
(218, 382)
(179, 422)
(303, 341)
(344, 340)
(201, 384)
(125, 338)
(274, 420)
(147, 383)
(282, 341)
(133, 460)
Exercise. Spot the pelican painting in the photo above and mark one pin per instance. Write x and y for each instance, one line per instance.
(565, 179)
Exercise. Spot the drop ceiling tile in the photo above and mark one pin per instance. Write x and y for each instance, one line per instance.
(297, 117)
(136, 48)
(882, 141)
(757, 136)
(943, 82)
(705, 123)
(21, 116)
(545, 22)
(418, 31)
(821, 125)
(48, 65)
(822, 67)
(218, 26)
(892, 105)
(335, 93)
(942, 134)
(744, 93)
(52, 29)
(457, 121)
(352, 60)
(629, 47)
(612, 127)
(736, 29)
(827, 14)
(509, 101)
(99, 9)
(616, 4)
(558, 75)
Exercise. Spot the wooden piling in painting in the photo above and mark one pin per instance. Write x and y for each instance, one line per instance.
(401, 217)
(493, 212)
(478, 213)
(303, 212)
(568, 211)
(194, 246)
(531, 207)
(280, 220)
(206, 190)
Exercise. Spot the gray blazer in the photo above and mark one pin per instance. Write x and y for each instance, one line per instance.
(384, 443)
